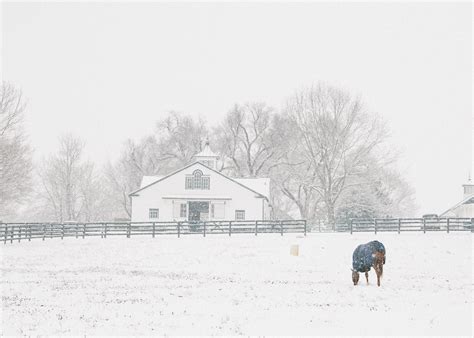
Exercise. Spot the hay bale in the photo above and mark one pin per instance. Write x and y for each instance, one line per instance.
(294, 250)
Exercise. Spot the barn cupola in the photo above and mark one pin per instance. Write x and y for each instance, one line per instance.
(207, 157)
(468, 187)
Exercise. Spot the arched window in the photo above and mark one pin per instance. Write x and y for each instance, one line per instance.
(197, 181)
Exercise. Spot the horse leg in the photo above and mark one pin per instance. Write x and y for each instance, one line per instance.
(378, 266)
(378, 271)
(367, 277)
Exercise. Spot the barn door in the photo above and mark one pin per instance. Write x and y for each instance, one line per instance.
(198, 211)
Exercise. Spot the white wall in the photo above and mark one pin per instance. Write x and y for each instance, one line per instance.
(152, 197)
(465, 210)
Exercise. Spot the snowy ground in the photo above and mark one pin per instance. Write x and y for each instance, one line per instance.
(238, 285)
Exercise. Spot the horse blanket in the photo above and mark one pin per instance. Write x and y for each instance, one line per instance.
(364, 255)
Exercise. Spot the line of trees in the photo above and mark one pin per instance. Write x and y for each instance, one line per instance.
(326, 154)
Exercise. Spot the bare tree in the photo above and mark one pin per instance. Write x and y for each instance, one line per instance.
(95, 202)
(292, 182)
(71, 189)
(291, 173)
(179, 137)
(125, 175)
(337, 135)
(15, 153)
(248, 140)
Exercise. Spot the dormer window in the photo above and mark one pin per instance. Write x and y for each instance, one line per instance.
(197, 181)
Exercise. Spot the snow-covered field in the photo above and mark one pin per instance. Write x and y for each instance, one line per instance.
(236, 285)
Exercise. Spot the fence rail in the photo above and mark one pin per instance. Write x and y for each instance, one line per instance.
(10, 232)
(395, 225)
(410, 224)
(28, 231)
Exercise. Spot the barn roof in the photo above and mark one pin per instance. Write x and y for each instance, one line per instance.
(245, 185)
(146, 180)
(467, 200)
(262, 185)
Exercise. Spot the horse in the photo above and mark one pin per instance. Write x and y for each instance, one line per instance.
(366, 256)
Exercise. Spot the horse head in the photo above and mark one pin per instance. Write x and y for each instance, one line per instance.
(355, 276)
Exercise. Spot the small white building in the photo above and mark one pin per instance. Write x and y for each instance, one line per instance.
(465, 208)
(198, 192)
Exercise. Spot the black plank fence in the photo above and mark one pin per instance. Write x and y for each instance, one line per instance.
(396, 225)
(10, 232)
(28, 231)
(411, 224)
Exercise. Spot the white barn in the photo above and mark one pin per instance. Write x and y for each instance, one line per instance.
(198, 192)
(465, 208)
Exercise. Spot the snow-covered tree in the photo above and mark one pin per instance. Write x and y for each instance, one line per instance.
(249, 140)
(124, 175)
(71, 188)
(178, 138)
(15, 153)
(337, 135)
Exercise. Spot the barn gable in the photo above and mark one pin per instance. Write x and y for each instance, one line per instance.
(260, 184)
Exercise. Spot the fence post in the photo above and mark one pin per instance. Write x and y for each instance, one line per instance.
(399, 225)
(204, 229)
(256, 222)
(83, 230)
(19, 233)
(50, 230)
(424, 225)
(281, 227)
(375, 225)
(472, 224)
(352, 225)
(44, 231)
(105, 230)
(62, 231)
(447, 225)
(179, 229)
(129, 230)
(11, 234)
(305, 227)
(6, 233)
(154, 226)
(29, 232)
(77, 229)
(230, 228)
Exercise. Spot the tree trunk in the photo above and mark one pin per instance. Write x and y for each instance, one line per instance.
(331, 214)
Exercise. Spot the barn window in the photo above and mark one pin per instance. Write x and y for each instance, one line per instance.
(239, 215)
(182, 210)
(154, 213)
(197, 181)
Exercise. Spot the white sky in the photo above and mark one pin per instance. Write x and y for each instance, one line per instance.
(108, 71)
